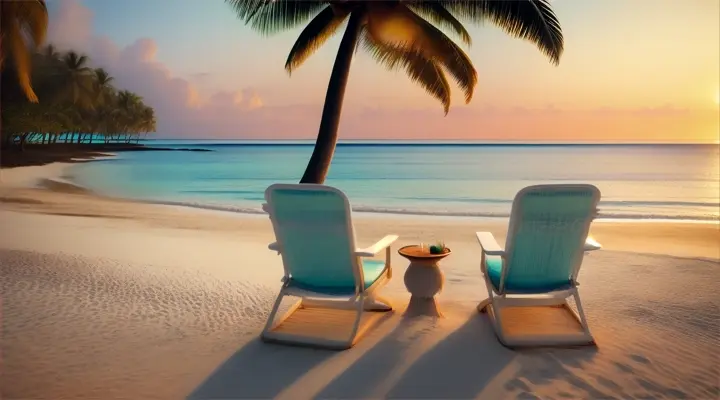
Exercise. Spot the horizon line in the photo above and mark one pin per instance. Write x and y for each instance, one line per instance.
(428, 142)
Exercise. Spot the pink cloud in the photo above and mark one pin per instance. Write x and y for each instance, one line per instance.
(660, 124)
(185, 111)
(182, 111)
(70, 24)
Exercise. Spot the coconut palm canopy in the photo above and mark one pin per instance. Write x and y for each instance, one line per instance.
(407, 34)
(23, 26)
(76, 103)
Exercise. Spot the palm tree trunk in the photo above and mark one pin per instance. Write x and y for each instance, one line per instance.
(23, 140)
(319, 164)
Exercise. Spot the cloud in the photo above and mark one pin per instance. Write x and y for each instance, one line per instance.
(655, 124)
(70, 24)
(182, 111)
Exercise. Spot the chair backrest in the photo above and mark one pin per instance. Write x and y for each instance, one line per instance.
(313, 228)
(548, 228)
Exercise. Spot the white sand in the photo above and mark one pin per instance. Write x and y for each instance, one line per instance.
(31, 176)
(109, 299)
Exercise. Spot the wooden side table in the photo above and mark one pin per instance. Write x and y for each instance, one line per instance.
(423, 279)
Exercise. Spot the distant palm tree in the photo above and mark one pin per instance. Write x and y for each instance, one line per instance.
(398, 34)
(102, 99)
(129, 108)
(102, 89)
(85, 104)
(50, 51)
(128, 100)
(21, 21)
(78, 80)
(147, 122)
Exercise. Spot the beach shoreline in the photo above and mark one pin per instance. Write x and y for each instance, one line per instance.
(46, 190)
(46, 154)
(56, 171)
(453, 182)
(107, 298)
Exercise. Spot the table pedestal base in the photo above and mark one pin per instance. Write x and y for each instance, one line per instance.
(423, 279)
(422, 306)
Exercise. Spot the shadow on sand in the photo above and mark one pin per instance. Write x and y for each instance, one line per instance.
(457, 366)
(410, 361)
(260, 371)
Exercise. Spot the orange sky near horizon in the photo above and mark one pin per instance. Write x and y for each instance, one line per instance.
(632, 71)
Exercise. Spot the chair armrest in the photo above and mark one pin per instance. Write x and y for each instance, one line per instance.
(274, 246)
(591, 244)
(377, 247)
(488, 244)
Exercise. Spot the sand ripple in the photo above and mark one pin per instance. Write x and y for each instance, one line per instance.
(93, 328)
(68, 319)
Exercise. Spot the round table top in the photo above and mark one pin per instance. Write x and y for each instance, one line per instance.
(417, 252)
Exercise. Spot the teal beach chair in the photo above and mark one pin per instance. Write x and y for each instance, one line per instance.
(546, 241)
(315, 238)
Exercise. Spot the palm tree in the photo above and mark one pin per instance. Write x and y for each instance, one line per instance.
(102, 87)
(85, 104)
(78, 80)
(21, 21)
(399, 34)
(129, 105)
(50, 52)
(147, 120)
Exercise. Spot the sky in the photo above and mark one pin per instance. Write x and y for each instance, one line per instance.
(632, 71)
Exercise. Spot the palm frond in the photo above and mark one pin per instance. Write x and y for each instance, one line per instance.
(35, 17)
(102, 77)
(438, 14)
(418, 68)
(532, 20)
(50, 52)
(438, 47)
(315, 34)
(76, 63)
(21, 59)
(22, 22)
(272, 16)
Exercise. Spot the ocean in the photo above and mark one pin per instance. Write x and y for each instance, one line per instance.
(637, 181)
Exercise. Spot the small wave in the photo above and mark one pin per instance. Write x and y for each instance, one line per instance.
(456, 200)
(61, 185)
(257, 210)
(203, 206)
(659, 203)
(247, 195)
(437, 213)
(621, 203)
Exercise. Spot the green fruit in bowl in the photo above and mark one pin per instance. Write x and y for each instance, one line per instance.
(438, 248)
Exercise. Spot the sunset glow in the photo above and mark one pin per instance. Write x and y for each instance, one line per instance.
(627, 74)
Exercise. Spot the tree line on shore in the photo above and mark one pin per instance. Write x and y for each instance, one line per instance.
(71, 103)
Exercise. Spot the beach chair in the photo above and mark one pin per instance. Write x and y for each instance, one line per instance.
(546, 241)
(315, 238)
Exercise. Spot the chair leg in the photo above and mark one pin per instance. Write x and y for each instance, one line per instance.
(482, 307)
(492, 306)
(273, 312)
(376, 302)
(581, 315)
(494, 310)
(356, 324)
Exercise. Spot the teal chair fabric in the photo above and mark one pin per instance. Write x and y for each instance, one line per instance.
(546, 240)
(313, 228)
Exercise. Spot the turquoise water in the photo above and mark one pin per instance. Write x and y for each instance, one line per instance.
(636, 181)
